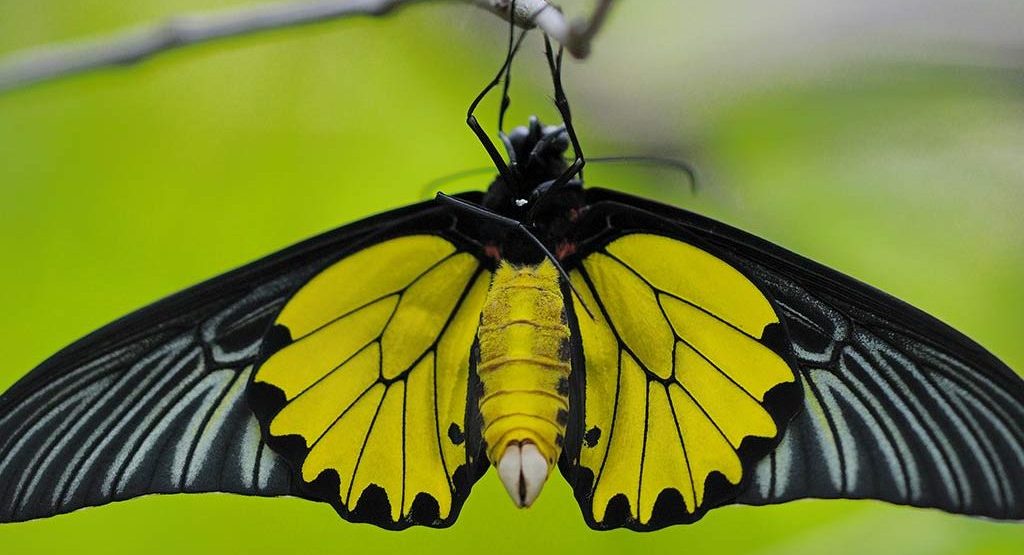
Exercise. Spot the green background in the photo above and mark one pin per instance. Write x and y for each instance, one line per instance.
(120, 187)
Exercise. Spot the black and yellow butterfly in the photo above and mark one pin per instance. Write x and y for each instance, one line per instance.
(666, 363)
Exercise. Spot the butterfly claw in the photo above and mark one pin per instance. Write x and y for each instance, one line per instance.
(523, 471)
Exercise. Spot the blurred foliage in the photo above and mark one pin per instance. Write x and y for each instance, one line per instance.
(122, 186)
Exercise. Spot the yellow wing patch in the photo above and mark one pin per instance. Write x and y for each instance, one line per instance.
(373, 380)
(677, 378)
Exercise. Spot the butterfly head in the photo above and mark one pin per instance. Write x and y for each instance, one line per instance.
(536, 155)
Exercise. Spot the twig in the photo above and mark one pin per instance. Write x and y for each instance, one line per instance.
(575, 36)
(133, 46)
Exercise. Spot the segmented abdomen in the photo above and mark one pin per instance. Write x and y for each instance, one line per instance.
(524, 361)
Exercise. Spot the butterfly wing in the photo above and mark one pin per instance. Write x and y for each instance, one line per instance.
(896, 405)
(156, 402)
(688, 381)
(364, 385)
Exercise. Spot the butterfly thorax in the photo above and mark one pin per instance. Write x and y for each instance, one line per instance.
(537, 160)
(524, 367)
(532, 193)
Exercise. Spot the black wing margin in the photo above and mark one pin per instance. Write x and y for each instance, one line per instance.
(898, 406)
(155, 402)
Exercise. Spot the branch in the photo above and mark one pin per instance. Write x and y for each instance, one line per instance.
(133, 46)
(575, 36)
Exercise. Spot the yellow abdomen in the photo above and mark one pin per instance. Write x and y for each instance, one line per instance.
(524, 361)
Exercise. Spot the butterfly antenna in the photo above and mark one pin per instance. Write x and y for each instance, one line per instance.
(670, 163)
(562, 103)
(511, 223)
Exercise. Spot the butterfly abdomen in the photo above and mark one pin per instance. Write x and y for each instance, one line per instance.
(524, 361)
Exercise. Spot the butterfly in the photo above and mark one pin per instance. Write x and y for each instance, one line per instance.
(665, 363)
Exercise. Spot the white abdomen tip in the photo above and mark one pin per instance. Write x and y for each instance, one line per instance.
(523, 471)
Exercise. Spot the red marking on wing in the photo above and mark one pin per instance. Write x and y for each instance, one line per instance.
(493, 251)
(565, 249)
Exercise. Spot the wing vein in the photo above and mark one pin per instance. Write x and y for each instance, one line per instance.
(925, 424)
(837, 439)
(359, 459)
(399, 292)
(686, 456)
(680, 299)
(643, 449)
(618, 379)
(190, 458)
(157, 418)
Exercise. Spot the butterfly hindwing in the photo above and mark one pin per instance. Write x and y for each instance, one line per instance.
(364, 385)
(897, 405)
(687, 381)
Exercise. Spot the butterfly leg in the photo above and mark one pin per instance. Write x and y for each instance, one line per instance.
(503, 72)
(562, 103)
